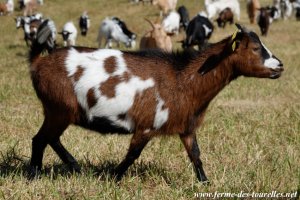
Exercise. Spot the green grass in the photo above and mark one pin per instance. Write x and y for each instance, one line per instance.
(250, 139)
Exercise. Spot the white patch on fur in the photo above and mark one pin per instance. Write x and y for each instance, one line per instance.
(207, 29)
(147, 131)
(271, 62)
(94, 75)
(161, 115)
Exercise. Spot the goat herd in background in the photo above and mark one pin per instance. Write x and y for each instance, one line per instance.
(197, 30)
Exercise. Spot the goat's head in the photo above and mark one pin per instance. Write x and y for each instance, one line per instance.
(20, 21)
(65, 35)
(158, 34)
(248, 56)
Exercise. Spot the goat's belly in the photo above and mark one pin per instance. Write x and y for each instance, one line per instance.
(103, 125)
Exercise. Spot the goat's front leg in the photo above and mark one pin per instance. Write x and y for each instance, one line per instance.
(137, 144)
(191, 146)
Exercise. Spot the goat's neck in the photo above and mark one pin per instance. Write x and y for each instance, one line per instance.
(203, 88)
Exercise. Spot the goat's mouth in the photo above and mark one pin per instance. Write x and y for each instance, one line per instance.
(276, 73)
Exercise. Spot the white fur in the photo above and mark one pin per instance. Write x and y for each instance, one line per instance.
(215, 7)
(161, 115)
(94, 75)
(207, 29)
(171, 23)
(10, 6)
(271, 62)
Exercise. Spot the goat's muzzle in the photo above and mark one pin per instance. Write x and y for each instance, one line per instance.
(276, 73)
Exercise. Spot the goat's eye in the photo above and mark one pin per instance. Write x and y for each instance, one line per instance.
(256, 48)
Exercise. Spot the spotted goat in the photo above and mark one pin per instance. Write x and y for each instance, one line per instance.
(147, 93)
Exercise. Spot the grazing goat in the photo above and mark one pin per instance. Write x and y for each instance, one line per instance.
(112, 32)
(69, 34)
(263, 21)
(165, 5)
(84, 23)
(198, 32)
(215, 7)
(252, 7)
(274, 13)
(157, 38)
(184, 16)
(125, 30)
(225, 16)
(171, 23)
(108, 91)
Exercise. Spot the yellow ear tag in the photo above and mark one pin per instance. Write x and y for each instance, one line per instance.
(234, 35)
(232, 38)
(233, 46)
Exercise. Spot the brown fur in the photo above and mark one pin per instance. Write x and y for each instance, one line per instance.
(110, 65)
(252, 7)
(108, 87)
(225, 16)
(91, 99)
(3, 9)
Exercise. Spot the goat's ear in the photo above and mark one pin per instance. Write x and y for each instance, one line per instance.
(210, 63)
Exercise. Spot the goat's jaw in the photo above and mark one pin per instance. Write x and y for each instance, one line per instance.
(276, 73)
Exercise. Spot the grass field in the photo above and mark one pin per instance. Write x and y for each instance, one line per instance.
(250, 139)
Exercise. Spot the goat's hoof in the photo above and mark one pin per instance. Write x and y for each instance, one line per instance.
(75, 168)
(117, 176)
(33, 173)
(206, 183)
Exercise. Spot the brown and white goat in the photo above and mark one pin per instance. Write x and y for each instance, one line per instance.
(147, 93)
(252, 7)
(157, 38)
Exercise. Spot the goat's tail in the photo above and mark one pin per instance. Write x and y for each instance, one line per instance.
(44, 41)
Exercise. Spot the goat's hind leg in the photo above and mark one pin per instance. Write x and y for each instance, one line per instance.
(191, 146)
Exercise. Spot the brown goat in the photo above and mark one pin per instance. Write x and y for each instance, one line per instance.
(165, 5)
(252, 7)
(147, 93)
(225, 16)
(3, 9)
(156, 38)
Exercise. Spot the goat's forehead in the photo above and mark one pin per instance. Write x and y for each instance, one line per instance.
(266, 53)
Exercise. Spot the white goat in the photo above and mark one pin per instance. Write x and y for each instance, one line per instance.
(112, 32)
(69, 34)
(10, 6)
(215, 7)
(171, 23)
